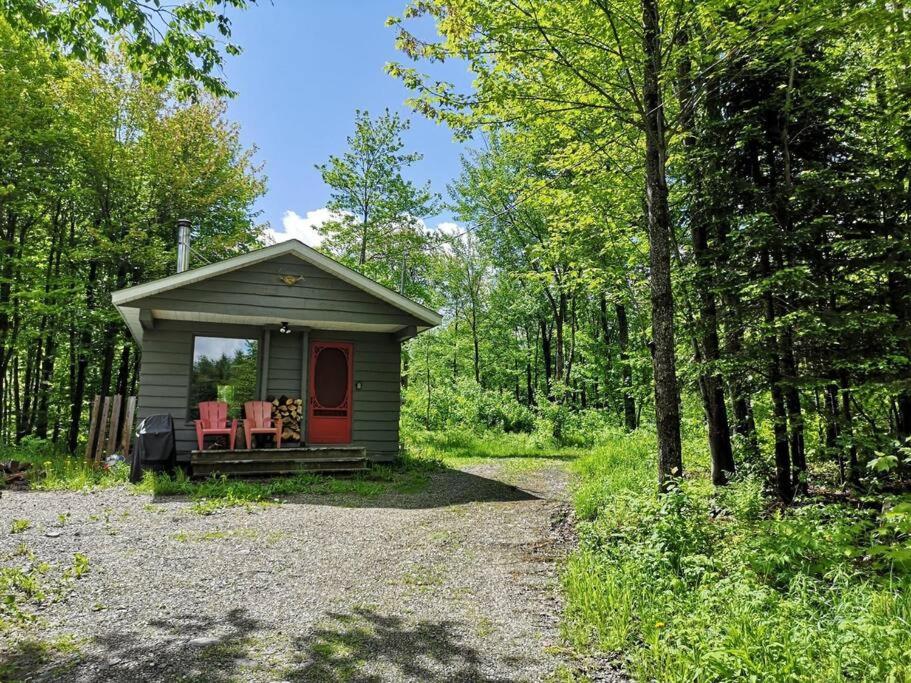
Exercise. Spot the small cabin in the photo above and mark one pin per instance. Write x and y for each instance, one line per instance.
(286, 324)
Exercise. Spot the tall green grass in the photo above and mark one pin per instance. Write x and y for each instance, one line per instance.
(699, 586)
(53, 469)
(513, 451)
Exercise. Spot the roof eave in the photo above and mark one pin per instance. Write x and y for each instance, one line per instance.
(125, 296)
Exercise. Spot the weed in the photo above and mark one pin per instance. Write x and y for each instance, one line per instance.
(19, 525)
(211, 495)
(484, 627)
(423, 576)
(27, 585)
(80, 565)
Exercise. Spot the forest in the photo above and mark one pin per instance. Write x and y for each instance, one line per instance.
(683, 255)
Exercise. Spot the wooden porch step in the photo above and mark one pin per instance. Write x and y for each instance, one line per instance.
(279, 461)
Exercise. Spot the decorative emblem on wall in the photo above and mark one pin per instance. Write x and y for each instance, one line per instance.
(290, 280)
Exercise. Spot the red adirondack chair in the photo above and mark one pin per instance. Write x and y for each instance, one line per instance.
(258, 420)
(214, 421)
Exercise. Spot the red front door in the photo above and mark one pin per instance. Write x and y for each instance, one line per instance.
(329, 403)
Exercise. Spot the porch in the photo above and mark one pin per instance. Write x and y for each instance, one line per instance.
(279, 461)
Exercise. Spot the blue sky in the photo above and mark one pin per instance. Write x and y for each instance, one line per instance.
(306, 67)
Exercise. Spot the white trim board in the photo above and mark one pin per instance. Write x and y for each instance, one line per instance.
(123, 297)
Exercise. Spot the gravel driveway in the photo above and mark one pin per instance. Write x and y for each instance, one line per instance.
(457, 583)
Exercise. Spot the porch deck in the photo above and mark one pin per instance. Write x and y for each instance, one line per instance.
(278, 461)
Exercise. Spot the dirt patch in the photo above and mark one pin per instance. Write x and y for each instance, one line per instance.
(456, 583)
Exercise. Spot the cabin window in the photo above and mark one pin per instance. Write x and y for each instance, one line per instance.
(224, 369)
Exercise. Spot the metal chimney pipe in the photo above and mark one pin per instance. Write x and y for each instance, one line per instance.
(183, 244)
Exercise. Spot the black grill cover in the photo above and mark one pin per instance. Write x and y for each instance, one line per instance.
(155, 447)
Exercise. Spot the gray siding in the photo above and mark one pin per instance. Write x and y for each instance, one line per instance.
(167, 356)
(285, 365)
(258, 291)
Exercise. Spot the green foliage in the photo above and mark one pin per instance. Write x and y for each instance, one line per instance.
(693, 586)
(96, 166)
(53, 469)
(465, 405)
(165, 43)
(461, 447)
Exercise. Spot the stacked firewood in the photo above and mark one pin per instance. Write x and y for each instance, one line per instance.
(289, 410)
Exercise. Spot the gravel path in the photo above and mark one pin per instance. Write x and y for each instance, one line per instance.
(457, 583)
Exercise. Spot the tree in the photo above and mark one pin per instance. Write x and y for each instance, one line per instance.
(761, 150)
(379, 228)
(96, 166)
(572, 65)
(165, 43)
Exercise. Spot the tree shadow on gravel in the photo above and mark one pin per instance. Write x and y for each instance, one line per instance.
(368, 647)
(188, 647)
(450, 487)
(361, 647)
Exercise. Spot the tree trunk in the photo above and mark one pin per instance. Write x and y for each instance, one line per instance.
(83, 341)
(529, 387)
(786, 339)
(667, 408)
(630, 417)
(716, 414)
(832, 428)
(783, 480)
(548, 367)
(795, 414)
(847, 433)
(559, 319)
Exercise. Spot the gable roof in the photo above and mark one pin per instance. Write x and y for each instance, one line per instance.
(124, 297)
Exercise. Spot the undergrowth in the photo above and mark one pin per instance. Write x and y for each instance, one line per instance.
(53, 469)
(705, 586)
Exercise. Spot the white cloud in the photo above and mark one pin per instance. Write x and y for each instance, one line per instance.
(303, 228)
(453, 232)
(448, 228)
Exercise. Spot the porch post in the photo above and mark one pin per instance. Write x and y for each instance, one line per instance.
(264, 375)
(305, 384)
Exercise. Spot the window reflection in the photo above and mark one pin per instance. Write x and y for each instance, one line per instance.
(224, 369)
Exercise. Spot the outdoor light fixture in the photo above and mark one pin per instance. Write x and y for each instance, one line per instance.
(284, 329)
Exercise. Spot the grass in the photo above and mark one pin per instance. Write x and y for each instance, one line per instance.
(27, 654)
(217, 492)
(53, 470)
(515, 452)
(712, 586)
(698, 585)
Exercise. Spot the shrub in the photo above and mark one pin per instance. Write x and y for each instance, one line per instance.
(464, 405)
